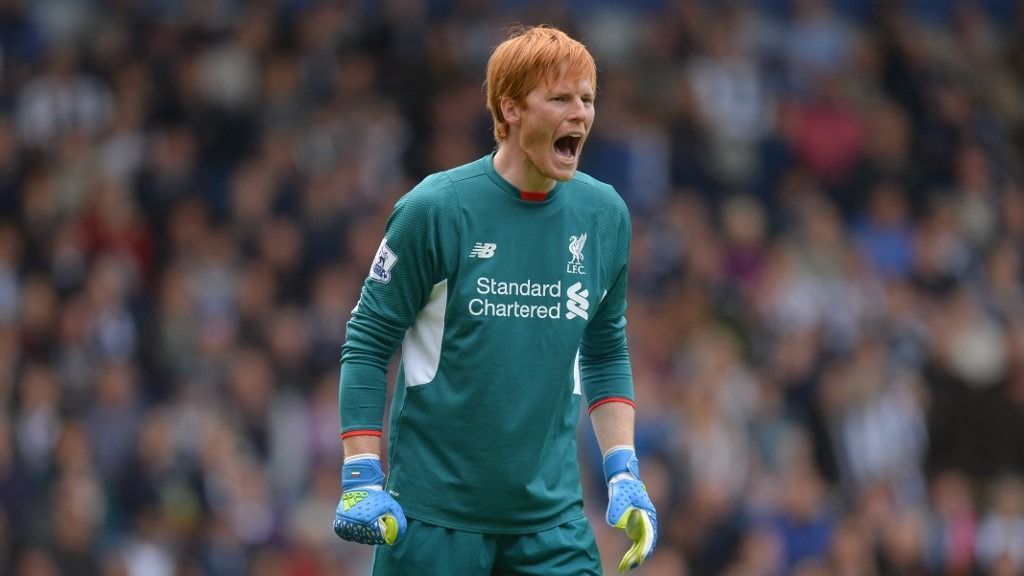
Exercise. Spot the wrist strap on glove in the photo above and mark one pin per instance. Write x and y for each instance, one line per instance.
(621, 460)
(361, 470)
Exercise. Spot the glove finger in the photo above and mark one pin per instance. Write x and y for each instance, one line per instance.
(392, 523)
(388, 526)
(360, 532)
(400, 518)
(640, 528)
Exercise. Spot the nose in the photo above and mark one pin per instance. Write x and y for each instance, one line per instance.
(578, 110)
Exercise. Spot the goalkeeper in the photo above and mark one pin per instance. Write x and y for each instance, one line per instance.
(503, 281)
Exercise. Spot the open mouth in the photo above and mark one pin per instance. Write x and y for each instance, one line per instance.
(567, 147)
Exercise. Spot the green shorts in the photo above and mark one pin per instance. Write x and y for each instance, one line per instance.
(429, 550)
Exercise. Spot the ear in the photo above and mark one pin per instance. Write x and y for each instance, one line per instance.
(510, 111)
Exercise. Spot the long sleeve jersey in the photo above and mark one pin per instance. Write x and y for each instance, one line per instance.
(507, 309)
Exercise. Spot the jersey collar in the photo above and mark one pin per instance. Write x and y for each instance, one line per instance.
(507, 187)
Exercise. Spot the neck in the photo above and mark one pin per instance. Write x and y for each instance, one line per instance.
(514, 166)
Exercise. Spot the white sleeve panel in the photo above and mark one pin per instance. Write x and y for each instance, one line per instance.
(421, 348)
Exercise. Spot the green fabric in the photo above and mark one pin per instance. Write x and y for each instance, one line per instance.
(488, 442)
(428, 550)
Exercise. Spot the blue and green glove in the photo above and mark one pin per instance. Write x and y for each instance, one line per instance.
(367, 514)
(629, 506)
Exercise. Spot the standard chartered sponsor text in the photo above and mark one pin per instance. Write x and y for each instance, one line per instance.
(485, 286)
(546, 298)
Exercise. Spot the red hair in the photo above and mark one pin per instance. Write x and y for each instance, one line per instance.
(528, 57)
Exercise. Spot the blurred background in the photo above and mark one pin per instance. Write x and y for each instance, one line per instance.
(827, 292)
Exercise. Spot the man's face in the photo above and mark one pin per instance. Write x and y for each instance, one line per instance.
(554, 121)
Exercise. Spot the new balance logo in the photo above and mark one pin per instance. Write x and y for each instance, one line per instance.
(483, 250)
(578, 303)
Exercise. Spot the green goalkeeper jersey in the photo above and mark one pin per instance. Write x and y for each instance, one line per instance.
(507, 309)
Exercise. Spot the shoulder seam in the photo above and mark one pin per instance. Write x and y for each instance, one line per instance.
(589, 181)
(448, 174)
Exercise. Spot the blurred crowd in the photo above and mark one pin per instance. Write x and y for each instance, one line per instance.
(827, 286)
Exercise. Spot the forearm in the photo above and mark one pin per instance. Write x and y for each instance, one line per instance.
(613, 424)
(361, 445)
(629, 506)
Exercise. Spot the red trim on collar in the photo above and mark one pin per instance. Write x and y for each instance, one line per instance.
(533, 196)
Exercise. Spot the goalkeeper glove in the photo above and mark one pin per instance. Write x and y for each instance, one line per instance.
(629, 506)
(367, 514)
